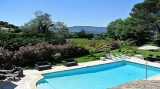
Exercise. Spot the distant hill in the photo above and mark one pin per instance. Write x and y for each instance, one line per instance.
(88, 29)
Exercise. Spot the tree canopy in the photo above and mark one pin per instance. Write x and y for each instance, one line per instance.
(43, 26)
(143, 23)
(7, 25)
(40, 23)
(149, 13)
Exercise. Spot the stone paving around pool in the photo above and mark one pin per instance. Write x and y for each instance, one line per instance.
(32, 76)
(140, 84)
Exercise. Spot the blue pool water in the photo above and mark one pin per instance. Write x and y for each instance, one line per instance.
(96, 77)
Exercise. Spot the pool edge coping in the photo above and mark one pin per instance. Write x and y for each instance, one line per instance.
(33, 83)
(39, 75)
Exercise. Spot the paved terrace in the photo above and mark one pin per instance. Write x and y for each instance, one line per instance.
(32, 76)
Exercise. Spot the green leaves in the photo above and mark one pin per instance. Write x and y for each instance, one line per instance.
(143, 23)
(111, 30)
(148, 12)
(40, 23)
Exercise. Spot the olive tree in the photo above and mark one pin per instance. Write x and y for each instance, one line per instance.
(40, 23)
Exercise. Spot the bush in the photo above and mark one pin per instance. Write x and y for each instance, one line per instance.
(29, 54)
(70, 50)
(109, 39)
(92, 43)
(97, 37)
(57, 57)
(113, 45)
(5, 58)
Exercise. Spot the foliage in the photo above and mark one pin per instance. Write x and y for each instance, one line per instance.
(88, 58)
(42, 27)
(107, 39)
(29, 54)
(142, 24)
(126, 43)
(98, 36)
(130, 28)
(33, 34)
(5, 58)
(40, 23)
(60, 32)
(120, 26)
(57, 57)
(7, 25)
(146, 53)
(83, 41)
(94, 46)
(73, 35)
(149, 12)
(156, 36)
(111, 30)
(97, 47)
(113, 45)
(81, 34)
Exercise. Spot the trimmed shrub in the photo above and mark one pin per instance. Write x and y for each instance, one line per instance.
(47, 52)
(5, 58)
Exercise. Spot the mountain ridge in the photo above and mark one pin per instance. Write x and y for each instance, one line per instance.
(88, 29)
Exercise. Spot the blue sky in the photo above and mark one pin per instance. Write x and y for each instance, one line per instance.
(72, 12)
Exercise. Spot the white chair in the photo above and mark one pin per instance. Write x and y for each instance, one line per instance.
(108, 56)
(102, 58)
(139, 56)
(114, 58)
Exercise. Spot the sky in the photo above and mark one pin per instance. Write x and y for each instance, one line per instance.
(97, 13)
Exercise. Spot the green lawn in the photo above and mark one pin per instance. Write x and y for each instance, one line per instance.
(88, 58)
(134, 50)
(131, 50)
(80, 40)
(83, 41)
(146, 53)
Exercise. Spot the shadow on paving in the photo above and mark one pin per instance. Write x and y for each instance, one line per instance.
(7, 85)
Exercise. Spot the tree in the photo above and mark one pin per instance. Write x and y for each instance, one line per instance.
(120, 26)
(112, 31)
(136, 29)
(129, 28)
(82, 34)
(149, 13)
(7, 25)
(40, 23)
(61, 31)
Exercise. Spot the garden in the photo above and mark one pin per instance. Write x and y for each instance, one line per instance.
(41, 39)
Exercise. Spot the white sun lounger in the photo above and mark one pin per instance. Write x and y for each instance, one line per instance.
(110, 56)
(114, 58)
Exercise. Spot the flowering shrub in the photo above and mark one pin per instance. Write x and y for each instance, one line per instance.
(5, 57)
(30, 54)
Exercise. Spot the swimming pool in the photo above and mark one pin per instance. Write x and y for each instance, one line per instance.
(96, 77)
